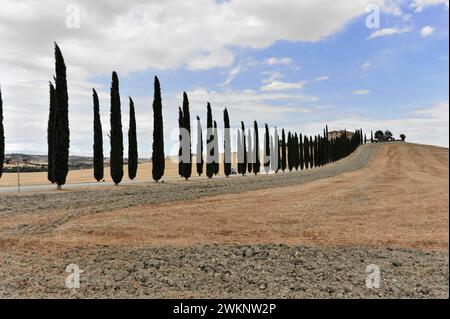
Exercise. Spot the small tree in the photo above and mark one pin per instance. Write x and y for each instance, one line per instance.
(379, 135)
(388, 135)
(209, 143)
(403, 137)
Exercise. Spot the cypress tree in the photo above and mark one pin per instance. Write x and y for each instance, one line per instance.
(226, 144)
(371, 136)
(187, 167)
(158, 158)
(2, 136)
(306, 151)
(365, 138)
(132, 144)
(296, 152)
(98, 140)
(283, 151)
(250, 157)
(316, 152)
(266, 149)
(209, 141)
(62, 134)
(257, 165)
(302, 160)
(290, 152)
(244, 150)
(239, 154)
(216, 149)
(311, 152)
(199, 148)
(116, 157)
(50, 134)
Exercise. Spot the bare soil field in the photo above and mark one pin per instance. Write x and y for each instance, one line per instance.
(306, 234)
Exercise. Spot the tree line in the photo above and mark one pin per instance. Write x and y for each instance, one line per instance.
(291, 151)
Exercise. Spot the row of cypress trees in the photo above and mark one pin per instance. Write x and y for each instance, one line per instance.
(297, 152)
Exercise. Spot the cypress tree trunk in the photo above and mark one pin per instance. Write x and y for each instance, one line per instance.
(187, 166)
(132, 144)
(257, 165)
(98, 140)
(250, 156)
(2, 136)
(283, 151)
(116, 157)
(199, 147)
(62, 133)
(50, 134)
(158, 158)
(216, 149)
(226, 144)
(290, 152)
(244, 150)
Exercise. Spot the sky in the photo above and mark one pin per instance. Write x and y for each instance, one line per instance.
(294, 64)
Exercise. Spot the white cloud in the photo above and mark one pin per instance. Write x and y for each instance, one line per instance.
(426, 31)
(322, 78)
(361, 92)
(366, 65)
(387, 31)
(277, 61)
(271, 76)
(420, 5)
(281, 86)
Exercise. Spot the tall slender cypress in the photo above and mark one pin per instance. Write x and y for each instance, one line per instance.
(62, 133)
(306, 151)
(199, 148)
(132, 144)
(116, 157)
(283, 151)
(311, 152)
(226, 144)
(2, 136)
(257, 166)
(209, 143)
(50, 134)
(187, 166)
(296, 152)
(371, 136)
(266, 149)
(301, 152)
(158, 158)
(98, 140)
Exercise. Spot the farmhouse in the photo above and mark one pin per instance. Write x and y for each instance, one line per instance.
(337, 134)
